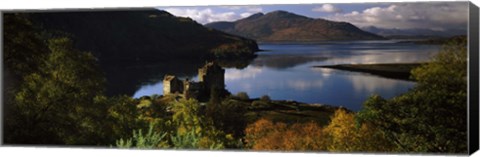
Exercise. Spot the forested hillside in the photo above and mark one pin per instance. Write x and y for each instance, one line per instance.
(141, 35)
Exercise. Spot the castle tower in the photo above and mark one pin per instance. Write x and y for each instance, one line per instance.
(192, 89)
(212, 75)
(172, 85)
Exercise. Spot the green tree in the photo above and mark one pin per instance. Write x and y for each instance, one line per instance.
(24, 48)
(193, 129)
(432, 117)
(23, 53)
(115, 118)
(230, 117)
(52, 103)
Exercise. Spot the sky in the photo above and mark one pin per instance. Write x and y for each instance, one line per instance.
(427, 15)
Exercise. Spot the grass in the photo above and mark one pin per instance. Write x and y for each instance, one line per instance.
(284, 111)
(291, 112)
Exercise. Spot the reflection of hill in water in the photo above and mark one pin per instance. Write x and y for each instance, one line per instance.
(285, 61)
(126, 78)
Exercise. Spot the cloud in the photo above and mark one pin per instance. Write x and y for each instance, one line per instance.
(436, 16)
(327, 8)
(251, 9)
(244, 15)
(207, 15)
(203, 15)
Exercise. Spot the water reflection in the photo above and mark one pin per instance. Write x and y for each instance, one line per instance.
(281, 56)
(330, 86)
(285, 72)
(282, 61)
(236, 74)
(302, 85)
(276, 74)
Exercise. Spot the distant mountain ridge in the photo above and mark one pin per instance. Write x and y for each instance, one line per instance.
(285, 26)
(142, 35)
(414, 32)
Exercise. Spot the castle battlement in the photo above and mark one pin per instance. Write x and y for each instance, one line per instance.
(211, 75)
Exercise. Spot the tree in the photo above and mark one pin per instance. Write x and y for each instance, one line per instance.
(23, 53)
(432, 117)
(266, 135)
(233, 117)
(344, 134)
(24, 48)
(53, 103)
(193, 130)
(115, 118)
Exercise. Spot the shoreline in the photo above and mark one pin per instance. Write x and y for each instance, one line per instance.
(399, 71)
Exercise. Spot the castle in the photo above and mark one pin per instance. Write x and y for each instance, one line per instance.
(211, 76)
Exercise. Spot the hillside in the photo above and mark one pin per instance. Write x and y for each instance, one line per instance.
(413, 33)
(285, 26)
(141, 35)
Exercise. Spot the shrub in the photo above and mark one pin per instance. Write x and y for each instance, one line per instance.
(243, 96)
(150, 140)
(265, 98)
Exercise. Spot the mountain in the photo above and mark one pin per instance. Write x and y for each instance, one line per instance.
(141, 35)
(286, 26)
(414, 32)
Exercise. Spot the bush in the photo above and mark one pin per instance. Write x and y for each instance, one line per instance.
(265, 98)
(243, 96)
(261, 104)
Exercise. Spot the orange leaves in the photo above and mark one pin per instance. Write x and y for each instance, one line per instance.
(266, 135)
(342, 134)
(257, 132)
(304, 137)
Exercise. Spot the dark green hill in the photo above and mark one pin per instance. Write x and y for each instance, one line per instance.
(135, 47)
(142, 35)
(285, 26)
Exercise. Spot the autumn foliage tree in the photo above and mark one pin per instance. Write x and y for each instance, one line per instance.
(267, 135)
(344, 134)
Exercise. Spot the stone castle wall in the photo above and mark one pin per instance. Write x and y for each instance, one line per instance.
(211, 75)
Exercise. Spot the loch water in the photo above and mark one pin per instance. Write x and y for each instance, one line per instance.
(284, 71)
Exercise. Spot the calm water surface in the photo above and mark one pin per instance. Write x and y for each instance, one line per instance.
(285, 72)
